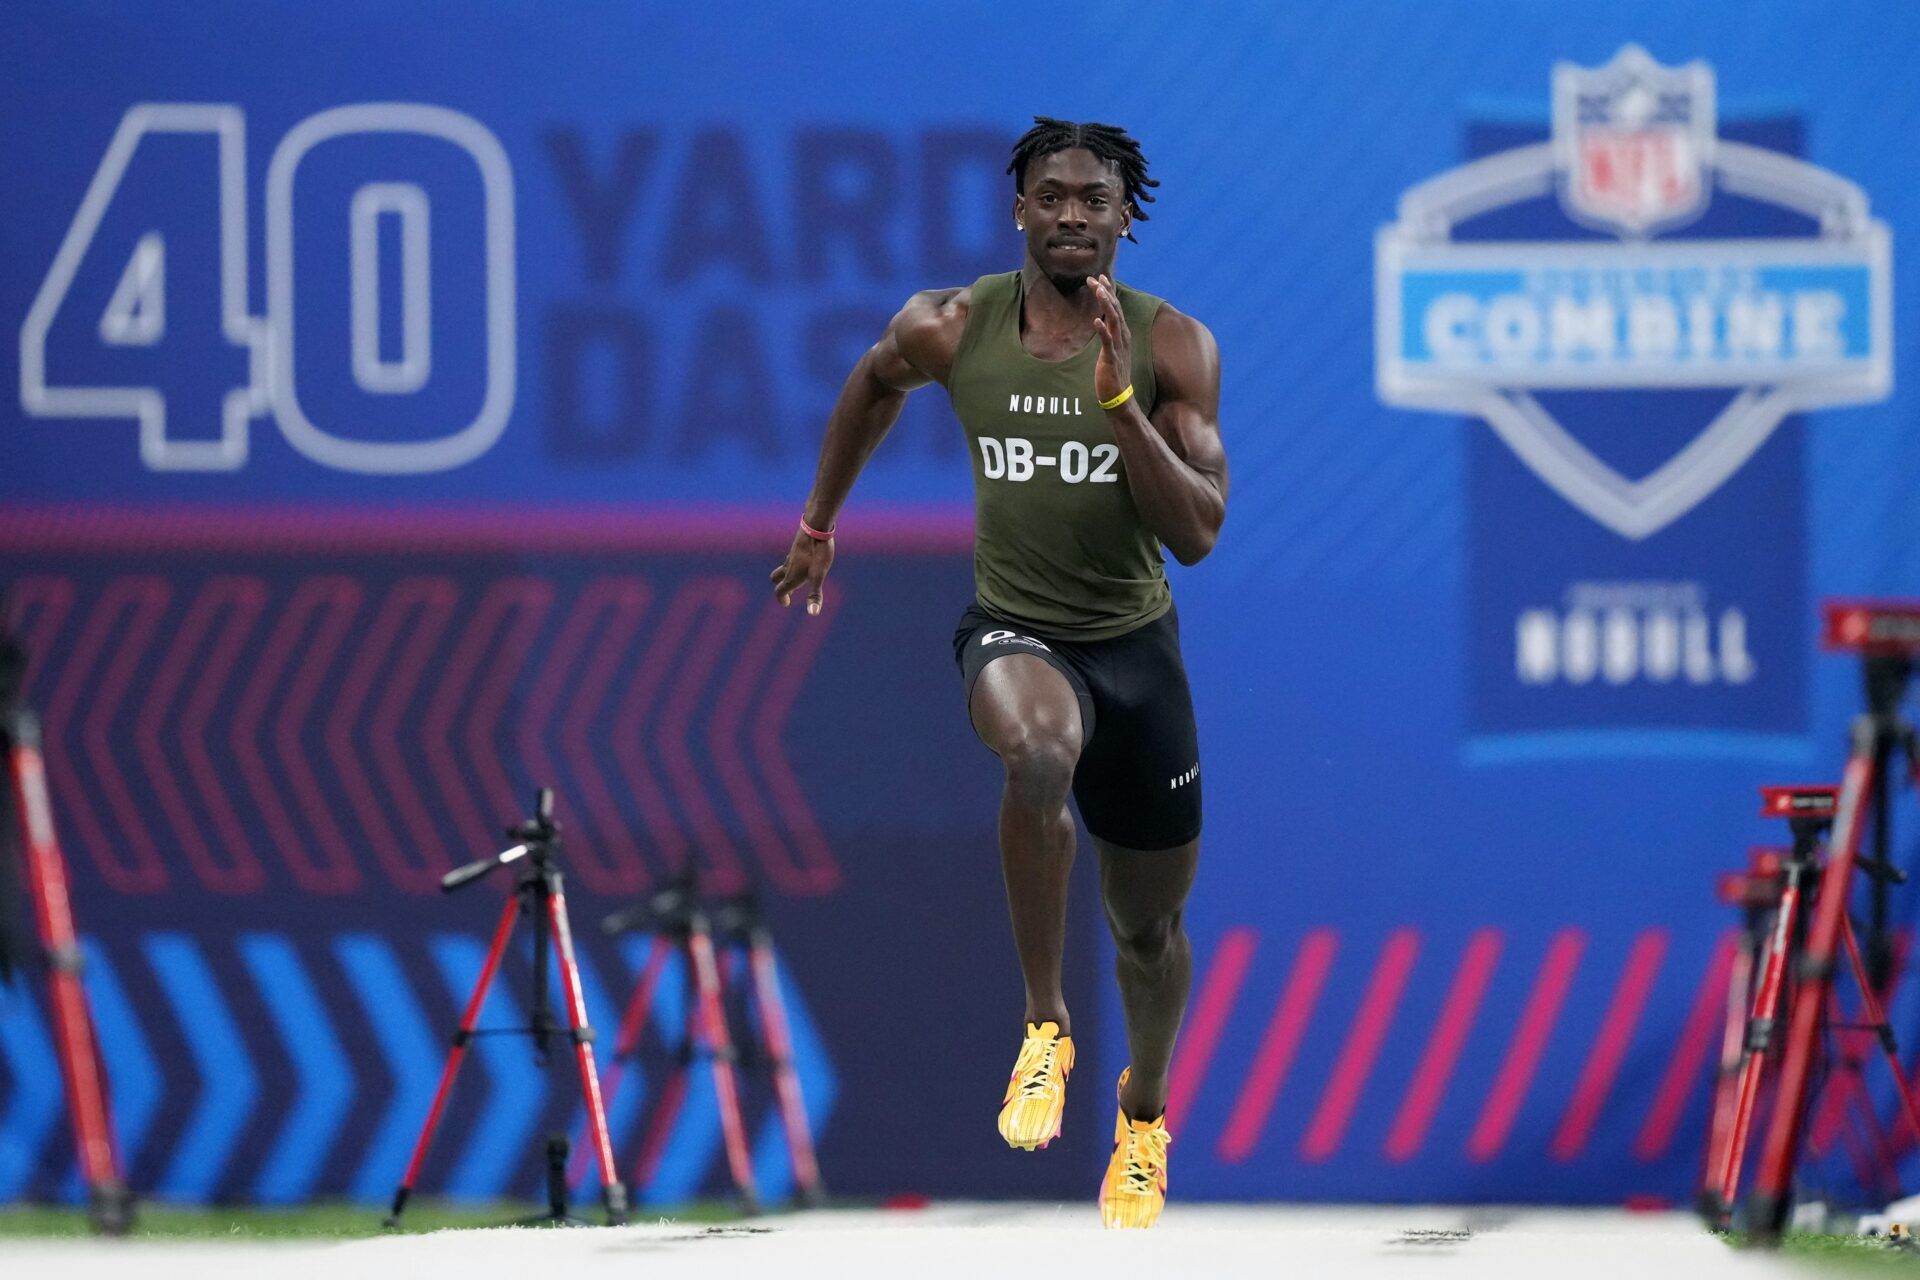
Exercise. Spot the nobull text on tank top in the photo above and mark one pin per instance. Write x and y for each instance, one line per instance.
(1058, 542)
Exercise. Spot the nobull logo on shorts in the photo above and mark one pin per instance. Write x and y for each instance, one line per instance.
(1635, 295)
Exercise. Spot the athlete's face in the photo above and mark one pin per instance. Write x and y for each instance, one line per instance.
(1074, 211)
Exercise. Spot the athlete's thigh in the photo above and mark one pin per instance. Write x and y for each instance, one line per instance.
(1018, 698)
(1138, 784)
(1021, 688)
(1140, 886)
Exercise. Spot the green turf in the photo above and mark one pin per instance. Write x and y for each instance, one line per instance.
(306, 1222)
(1851, 1255)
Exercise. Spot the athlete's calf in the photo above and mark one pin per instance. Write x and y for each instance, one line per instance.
(1145, 894)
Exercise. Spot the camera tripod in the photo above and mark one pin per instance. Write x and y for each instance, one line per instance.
(1791, 885)
(739, 923)
(110, 1205)
(1757, 892)
(538, 894)
(708, 945)
(1812, 922)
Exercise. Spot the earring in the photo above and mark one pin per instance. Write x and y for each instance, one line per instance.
(1019, 226)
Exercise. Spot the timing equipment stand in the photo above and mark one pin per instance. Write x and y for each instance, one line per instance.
(110, 1206)
(740, 922)
(679, 924)
(1757, 892)
(539, 894)
(1887, 635)
(1784, 883)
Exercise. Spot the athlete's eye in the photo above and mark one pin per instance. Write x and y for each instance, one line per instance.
(1098, 202)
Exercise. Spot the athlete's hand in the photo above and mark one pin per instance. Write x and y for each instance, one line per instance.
(1114, 370)
(808, 560)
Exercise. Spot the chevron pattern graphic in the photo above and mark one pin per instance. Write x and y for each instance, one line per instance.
(331, 732)
(305, 1069)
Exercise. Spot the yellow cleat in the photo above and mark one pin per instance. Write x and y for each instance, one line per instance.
(1037, 1094)
(1135, 1188)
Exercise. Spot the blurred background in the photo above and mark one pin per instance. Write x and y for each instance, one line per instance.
(412, 403)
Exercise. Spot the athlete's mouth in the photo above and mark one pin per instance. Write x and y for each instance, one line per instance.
(1074, 246)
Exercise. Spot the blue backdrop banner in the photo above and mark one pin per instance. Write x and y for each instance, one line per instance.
(407, 411)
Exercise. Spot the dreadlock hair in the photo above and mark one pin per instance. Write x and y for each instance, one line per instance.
(1109, 142)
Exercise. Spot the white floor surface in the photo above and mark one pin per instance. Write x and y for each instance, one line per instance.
(979, 1241)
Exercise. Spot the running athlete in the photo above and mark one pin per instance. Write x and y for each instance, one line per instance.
(1091, 409)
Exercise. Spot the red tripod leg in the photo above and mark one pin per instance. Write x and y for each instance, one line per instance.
(712, 1015)
(455, 1056)
(1726, 1089)
(786, 1084)
(673, 1095)
(1759, 1040)
(626, 1040)
(1773, 1182)
(673, 1091)
(633, 1021)
(614, 1195)
(1882, 1029)
(73, 1027)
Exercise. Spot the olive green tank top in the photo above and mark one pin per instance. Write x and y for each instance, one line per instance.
(1058, 544)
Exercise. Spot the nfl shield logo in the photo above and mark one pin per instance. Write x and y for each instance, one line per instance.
(1633, 141)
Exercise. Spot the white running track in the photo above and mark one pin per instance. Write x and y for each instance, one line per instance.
(979, 1241)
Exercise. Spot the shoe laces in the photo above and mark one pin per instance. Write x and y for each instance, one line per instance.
(1145, 1160)
(1036, 1066)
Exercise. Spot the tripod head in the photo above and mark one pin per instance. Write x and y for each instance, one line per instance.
(669, 909)
(672, 908)
(1758, 887)
(1888, 627)
(1886, 635)
(540, 828)
(1810, 812)
(1814, 801)
(739, 918)
(538, 836)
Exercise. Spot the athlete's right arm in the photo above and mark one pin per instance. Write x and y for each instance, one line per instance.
(917, 348)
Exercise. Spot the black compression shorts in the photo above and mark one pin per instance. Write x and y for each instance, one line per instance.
(1138, 779)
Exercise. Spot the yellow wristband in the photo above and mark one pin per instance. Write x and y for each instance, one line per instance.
(1118, 400)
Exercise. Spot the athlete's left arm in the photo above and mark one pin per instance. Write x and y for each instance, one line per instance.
(1176, 463)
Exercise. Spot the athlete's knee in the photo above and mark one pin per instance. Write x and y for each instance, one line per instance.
(1150, 944)
(1039, 768)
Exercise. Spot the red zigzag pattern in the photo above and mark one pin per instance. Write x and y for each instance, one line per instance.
(230, 730)
(1328, 1106)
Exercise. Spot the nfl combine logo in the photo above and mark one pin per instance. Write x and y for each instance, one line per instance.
(1792, 322)
(1635, 296)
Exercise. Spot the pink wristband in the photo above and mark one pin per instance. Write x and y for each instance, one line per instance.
(814, 533)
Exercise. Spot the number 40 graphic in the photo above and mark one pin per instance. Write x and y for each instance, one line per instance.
(136, 313)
